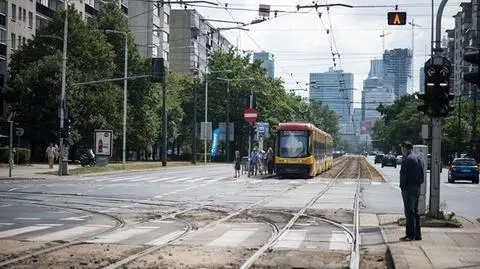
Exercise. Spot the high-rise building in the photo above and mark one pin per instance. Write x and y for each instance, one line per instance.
(421, 75)
(357, 119)
(334, 89)
(267, 62)
(372, 98)
(396, 70)
(376, 68)
(192, 40)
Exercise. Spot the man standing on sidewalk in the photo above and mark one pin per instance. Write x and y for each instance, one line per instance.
(411, 177)
(50, 152)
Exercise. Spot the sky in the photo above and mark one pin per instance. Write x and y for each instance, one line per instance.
(301, 44)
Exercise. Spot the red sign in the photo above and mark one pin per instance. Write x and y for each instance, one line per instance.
(250, 115)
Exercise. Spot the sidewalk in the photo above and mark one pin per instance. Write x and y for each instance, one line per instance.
(439, 247)
(29, 171)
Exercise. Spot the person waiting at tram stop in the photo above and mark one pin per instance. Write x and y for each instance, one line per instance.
(253, 162)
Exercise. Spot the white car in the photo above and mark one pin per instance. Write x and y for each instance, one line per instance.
(399, 159)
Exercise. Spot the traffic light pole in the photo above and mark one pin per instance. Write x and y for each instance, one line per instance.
(434, 208)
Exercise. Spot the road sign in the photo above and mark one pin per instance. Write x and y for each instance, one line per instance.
(397, 18)
(19, 131)
(206, 131)
(250, 115)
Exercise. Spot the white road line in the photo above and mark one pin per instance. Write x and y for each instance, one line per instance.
(21, 218)
(187, 188)
(198, 179)
(349, 182)
(161, 179)
(66, 235)
(120, 235)
(376, 183)
(79, 218)
(17, 231)
(233, 238)
(256, 181)
(123, 179)
(339, 241)
(164, 239)
(5, 205)
(291, 239)
(181, 179)
(161, 221)
(6, 223)
(12, 189)
(142, 179)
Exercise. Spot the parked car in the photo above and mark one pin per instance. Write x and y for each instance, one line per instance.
(378, 158)
(389, 160)
(463, 168)
(399, 159)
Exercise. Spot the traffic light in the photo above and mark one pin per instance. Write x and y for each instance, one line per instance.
(158, 70)
(437, 97)
(65, 132)
(473, 58)
(397, 18)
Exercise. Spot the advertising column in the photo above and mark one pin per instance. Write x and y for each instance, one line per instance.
(103, 146)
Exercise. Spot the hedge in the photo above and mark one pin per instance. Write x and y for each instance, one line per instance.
(23, 155)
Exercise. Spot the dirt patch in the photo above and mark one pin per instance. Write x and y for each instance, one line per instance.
(303, 259)
(436, 223)
(338, 165)
(84, 256)
(340, 216)
(183, 257)
(10, 249)
(202, 217)
(273, 216)
(374, 260)
(370, 172)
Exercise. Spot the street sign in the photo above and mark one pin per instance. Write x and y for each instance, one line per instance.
(223, 129)
(397, 18)
(250, 115)
(19, 131)
(206, 131)
(264, 11)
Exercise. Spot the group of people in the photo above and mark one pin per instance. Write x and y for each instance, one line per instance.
(52, 154)
(259, 162)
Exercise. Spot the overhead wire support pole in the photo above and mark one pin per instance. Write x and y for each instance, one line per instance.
(61, 169)
(316, 6)
(434, 205)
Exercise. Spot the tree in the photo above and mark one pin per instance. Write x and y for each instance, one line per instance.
(34, 86)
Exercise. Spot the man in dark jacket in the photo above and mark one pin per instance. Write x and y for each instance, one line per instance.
(411, 177)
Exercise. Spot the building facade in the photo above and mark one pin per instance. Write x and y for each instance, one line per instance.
(421, 75)
(192, 41)
(376, 68)
(397, 70)
(372, 98)
(267, 62)
(335, 89)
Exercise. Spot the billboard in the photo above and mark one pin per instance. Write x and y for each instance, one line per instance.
(366, 127)
(103, 142)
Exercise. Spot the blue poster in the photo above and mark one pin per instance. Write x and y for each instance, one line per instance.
(213, 150)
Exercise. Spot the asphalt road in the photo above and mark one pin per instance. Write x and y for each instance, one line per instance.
(460, 197)
(54, 209)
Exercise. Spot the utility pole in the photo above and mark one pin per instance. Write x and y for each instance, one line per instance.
(62, 161)
(250, 135)
(474, 123)
(194, 131)
(227, 131)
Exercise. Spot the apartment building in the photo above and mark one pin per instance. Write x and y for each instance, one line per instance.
(192, 40)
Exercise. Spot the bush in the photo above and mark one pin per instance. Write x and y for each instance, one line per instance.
(23, 155)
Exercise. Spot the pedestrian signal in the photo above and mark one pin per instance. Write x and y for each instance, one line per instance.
(397, 18)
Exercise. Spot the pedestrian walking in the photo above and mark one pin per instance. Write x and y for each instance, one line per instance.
(254, 162)
(270, 161)
(411, 177)
(236, 163)
(50, 152)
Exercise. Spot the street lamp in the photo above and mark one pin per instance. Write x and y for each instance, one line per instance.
(228, 112)
(125, 87)
(206, 106)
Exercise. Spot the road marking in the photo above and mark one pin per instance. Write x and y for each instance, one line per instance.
(17, 231)
(161, 221)
(12, 189)
(198, 179)
(66, 235)
(142, 179)
(291, 239)
(181, 179)
(21, 218)
(233, 238)
(80, 218)
(349, 182)
(161, 179)
(6, 224)
(256, 181)
(123, 179)
(120, 235)
(187, 188)
(5, 205)
(165, 239)
(376, 183)
(339, 241)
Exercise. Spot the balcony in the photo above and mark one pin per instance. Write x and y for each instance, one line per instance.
(90, 10)
(3, 51)
(45, 10)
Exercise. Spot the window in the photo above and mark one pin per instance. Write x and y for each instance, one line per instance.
(3, 7)
(156, 30)
(19, 41)
(13, 39)
(166, 37)
(24, 15)
(19, 13)
(14, 12)
(166, 18)
(156, 9)
(24, 41)
(294, 144)
(3, 36)
(165, 55)
(30, 19)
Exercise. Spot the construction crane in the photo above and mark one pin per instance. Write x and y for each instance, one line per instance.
(383, 39)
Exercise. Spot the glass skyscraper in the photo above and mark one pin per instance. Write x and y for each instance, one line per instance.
(267, 62)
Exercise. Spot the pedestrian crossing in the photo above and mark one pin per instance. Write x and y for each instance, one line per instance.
(156, 233)
(180, 179)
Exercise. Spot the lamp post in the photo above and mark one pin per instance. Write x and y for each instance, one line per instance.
(206, 107)
(63, 104)
(227, 144)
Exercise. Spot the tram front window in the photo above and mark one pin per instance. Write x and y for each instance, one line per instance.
(293, 144)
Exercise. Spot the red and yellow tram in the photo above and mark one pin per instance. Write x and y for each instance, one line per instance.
(302, 149)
